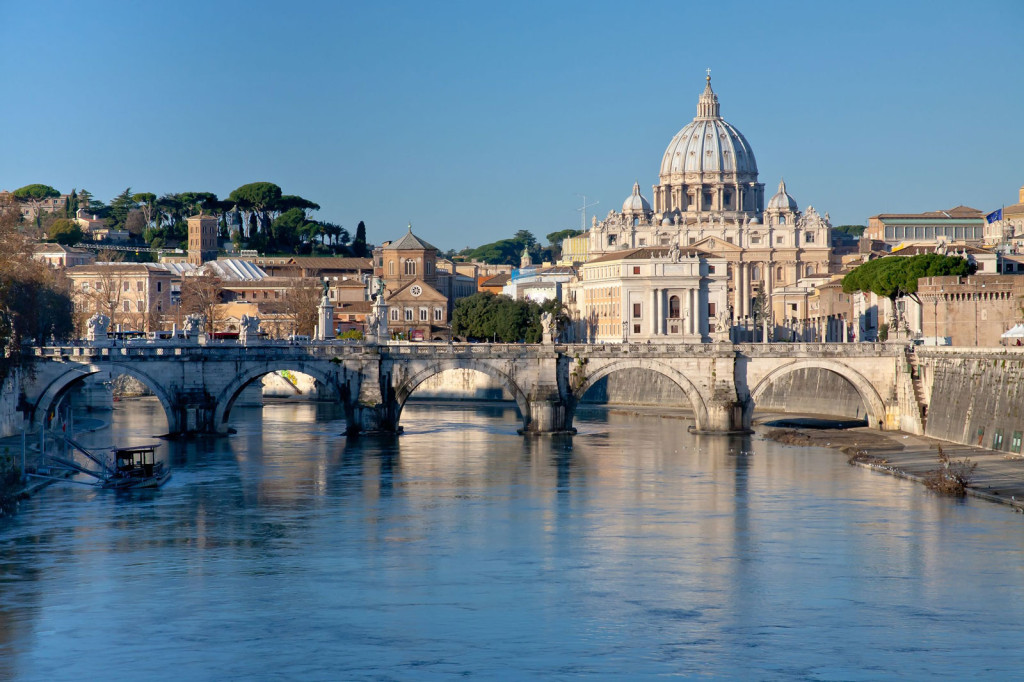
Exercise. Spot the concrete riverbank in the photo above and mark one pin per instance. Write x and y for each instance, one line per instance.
(999, 476)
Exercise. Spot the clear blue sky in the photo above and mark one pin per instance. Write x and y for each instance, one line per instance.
(475, 119)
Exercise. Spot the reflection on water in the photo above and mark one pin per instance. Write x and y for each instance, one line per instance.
(632, 549)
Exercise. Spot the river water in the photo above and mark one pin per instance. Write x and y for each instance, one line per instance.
(632, 550)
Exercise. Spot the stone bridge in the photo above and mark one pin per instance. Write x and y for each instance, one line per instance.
(198, 384)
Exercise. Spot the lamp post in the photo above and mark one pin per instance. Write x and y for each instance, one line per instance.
(935, 319)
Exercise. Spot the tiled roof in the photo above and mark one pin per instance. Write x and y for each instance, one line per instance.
(955, 212)
(409, 242)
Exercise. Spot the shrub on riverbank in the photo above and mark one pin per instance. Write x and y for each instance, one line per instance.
(10, 481)
(952, 477)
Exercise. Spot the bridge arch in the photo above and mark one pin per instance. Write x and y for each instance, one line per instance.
(410, 383)
(700, 409)
(225, 400)
(60, 385)
(873, 403)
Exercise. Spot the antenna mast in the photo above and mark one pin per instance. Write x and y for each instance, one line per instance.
(583, 211)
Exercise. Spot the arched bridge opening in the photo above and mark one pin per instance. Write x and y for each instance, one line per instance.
(817, 387)
(284, 379)
(98, 387)
(634, 382)
(474, 381)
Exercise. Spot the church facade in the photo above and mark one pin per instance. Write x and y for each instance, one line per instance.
(709, 198)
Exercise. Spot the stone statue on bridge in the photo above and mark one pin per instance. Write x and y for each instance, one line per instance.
(548, 326)
(97, 326)
(193, 325)
(248, 330)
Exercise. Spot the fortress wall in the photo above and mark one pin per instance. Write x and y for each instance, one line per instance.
(975, 399)
(813, 391)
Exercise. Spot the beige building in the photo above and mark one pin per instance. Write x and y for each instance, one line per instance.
(958, 224)
(133, 295)
(709, 198)
(659, 295)
(202, 239)
(60, 256)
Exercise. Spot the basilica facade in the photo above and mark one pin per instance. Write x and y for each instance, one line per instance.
(708, 198)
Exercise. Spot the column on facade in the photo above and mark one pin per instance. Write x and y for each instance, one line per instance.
(691, 323)
(748, 271)
(663, 318)
(654, 312)
(737, 311)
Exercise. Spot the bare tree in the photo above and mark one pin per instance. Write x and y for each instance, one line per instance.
(200, 294)
(300, 305)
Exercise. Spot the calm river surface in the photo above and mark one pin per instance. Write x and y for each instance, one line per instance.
(632, 550)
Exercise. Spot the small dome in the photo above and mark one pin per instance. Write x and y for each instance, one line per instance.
(755, 221)
(782, 201)
(635, 202)
(666, 221)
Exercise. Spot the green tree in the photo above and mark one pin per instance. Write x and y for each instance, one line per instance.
(500, 318)
(359, 248)
(258, 199)
(120, 207)
(34, 195)
(71, 207)
(65, 231)
(852, 230)
(146, 201)
(896, 276)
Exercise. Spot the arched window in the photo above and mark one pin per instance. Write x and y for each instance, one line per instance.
(782, 220)
(755, 273)
(391, 267)
(410, 267)
(810, 270)
(778, 273)
(673, 307)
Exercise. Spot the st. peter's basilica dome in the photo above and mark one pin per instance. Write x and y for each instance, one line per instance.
(708, 144)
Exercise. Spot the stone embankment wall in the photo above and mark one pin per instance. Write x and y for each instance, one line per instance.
(812, 391)
(975, 398)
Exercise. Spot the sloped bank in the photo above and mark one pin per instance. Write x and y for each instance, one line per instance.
(998, 478)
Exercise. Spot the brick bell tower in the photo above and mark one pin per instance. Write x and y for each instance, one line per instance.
(202, 239)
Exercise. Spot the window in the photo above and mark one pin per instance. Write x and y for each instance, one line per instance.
(643, 241)
(611, 239)
(126, 306)
(138, 285)
(636, 310)
(778, 273)
(99, 286)
(391, 267)
(139, 306)
(808, 237)
(85, 286)
(127, 286)
(159, 287)
(636, 269)
(266, 295)
(712, 309)
(394, 314)
(711, 269)
(729, 239)
(438, 315)
(997, 439)
(755, 240)
(408, 314)
(755, 273)
(782, 220)
(1015, 442)
(673, 307)
(410, 267)
(636, 329)
(780, 239)
(423, 314)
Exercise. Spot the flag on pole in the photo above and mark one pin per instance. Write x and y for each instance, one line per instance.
(995, 216)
